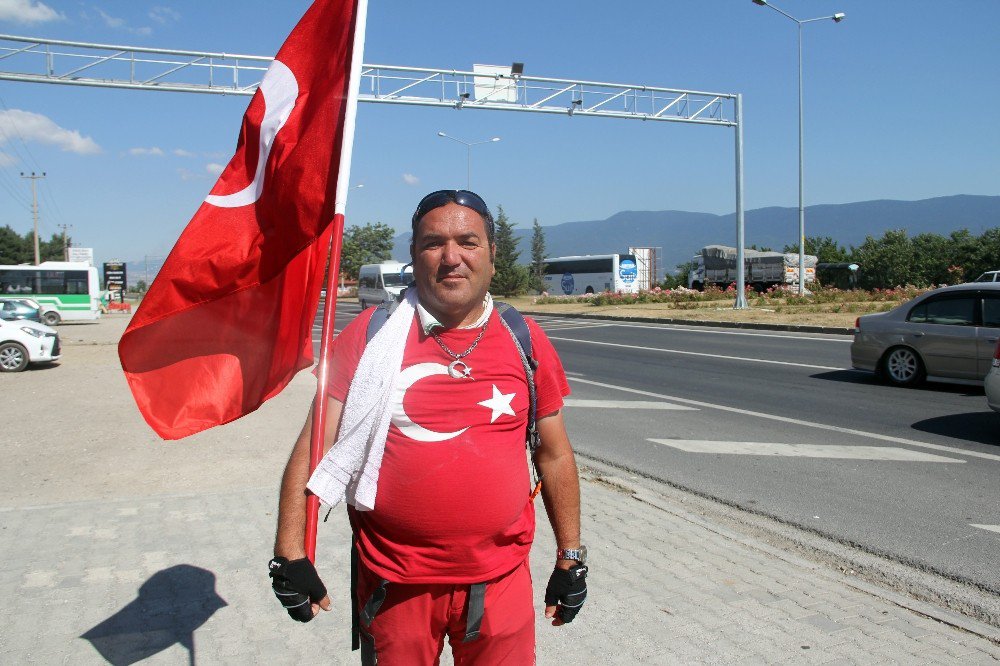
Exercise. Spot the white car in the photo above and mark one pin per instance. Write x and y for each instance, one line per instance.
(23, 342)
(993, 382)
(989, 276)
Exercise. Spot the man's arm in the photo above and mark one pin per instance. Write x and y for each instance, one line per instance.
(560, 489)
(289, 541)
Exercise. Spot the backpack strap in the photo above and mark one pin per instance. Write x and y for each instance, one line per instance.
(379, 317)
(515, 324)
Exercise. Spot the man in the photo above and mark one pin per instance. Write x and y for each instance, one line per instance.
(443, 550)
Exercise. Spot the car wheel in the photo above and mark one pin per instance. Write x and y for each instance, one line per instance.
(902, 366)
(51, 318)
(13, 357)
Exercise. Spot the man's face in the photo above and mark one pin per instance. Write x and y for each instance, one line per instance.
(452, 263)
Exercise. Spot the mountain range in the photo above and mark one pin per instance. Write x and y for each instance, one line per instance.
(680, 234)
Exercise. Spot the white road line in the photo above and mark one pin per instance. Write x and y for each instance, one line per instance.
(691, 353)
(785, 419)
(709, 329)
(624, 404)
(839, 451)
(991, 528)
(550, 327)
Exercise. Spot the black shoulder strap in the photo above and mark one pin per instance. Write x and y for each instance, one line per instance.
(379, 317)
(515, 324)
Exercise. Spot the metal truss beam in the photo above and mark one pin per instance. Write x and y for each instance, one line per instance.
(63, 62)
(104, 65)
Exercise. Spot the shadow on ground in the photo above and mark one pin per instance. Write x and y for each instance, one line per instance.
(170, 607)
(981, 427)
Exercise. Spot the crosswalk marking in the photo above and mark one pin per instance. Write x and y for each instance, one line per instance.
(990, 528)
(804, 450)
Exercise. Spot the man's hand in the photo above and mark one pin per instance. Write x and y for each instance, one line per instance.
(565, 594)
(298, 588)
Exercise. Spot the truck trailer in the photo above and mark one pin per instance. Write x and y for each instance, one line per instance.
(716, 265)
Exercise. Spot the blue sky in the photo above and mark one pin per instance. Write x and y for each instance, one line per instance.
(901, 102)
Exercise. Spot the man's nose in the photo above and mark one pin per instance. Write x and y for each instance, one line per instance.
(451, 254)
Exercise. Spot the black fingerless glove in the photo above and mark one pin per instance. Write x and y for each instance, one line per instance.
(297, 586)
(567, 589)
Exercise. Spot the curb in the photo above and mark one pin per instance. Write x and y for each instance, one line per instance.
(791, 328)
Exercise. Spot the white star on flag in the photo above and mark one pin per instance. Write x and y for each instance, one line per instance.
(499, 404)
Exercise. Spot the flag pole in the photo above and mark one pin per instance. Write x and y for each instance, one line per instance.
(336, 244)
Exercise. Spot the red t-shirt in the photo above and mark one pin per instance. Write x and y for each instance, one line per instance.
(453, 492)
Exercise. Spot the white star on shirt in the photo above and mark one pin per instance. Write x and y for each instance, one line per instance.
(499, 403)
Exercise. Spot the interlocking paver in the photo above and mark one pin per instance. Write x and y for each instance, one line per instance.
(157, 578)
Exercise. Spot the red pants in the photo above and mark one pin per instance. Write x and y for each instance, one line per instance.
(412, 622)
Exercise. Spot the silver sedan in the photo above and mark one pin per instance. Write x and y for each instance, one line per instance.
(993, 382)
(946, 334)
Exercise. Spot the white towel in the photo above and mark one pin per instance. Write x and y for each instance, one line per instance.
(350, 469)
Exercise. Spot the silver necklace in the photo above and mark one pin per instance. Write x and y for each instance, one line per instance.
(453, 368)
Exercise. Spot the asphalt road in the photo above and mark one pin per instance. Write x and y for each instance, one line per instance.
(777, 423)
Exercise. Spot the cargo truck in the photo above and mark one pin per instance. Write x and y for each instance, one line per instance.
(716, 265)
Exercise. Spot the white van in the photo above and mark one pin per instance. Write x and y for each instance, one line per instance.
(382, 283)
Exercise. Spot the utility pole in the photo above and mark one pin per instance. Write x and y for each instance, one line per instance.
(34, 209)
(64, 227)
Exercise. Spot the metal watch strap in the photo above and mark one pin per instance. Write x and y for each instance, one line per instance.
(578, 554)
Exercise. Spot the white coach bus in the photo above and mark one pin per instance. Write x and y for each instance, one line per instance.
(591, 274)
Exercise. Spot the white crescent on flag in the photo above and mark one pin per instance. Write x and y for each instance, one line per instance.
(280, 90)
(408, 378)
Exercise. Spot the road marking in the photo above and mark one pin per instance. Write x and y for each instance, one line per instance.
(691, 353)
(786, 419)
(624, 404)
(804, 450)
(570, 327)
(991, 528)
(844, 337)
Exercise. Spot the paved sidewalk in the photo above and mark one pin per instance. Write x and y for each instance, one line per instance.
(182, 578)
(119, 548)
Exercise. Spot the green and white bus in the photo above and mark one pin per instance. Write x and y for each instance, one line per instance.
(72, 288)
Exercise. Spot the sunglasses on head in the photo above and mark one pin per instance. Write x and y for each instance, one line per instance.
(440, 198)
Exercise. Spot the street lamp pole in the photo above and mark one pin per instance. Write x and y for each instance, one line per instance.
(837, 18)
(468, 146)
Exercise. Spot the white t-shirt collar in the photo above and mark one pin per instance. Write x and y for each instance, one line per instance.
(428, 322)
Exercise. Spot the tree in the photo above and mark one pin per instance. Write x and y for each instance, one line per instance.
(679, 278)
(886, 262)
(17, 249)
(511, 278)
(368, 244)
(12, 247)
(537, 257)
(825, 249)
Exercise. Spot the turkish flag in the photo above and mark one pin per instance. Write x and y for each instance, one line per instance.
(228, 320)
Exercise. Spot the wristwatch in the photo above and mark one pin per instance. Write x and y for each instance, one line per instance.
(578, 554)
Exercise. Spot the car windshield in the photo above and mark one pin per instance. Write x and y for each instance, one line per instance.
(394, 280)
(987, 277)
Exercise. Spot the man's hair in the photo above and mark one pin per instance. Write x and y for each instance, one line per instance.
(465, 198)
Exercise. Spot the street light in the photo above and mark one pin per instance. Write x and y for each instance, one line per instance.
(468, 145)
(837, 18)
